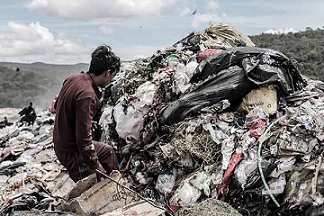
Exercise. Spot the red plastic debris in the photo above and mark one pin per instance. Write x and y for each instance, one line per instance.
(52, 107)
(258, 128)
(235, 159)
(207, 53)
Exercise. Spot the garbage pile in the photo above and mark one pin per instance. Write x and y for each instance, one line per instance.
(210, 124)
(214, 117)
(29, 168)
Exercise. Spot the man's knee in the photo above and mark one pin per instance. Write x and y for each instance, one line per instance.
(108, 151)
(103, 148)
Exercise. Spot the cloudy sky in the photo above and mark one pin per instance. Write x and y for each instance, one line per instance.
(66, 31)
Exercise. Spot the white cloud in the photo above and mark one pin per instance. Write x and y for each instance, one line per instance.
(280, 31)
(100, 9)
(212, 4)
(85, 36)
(185, 11)
(185, 7)
(203, 19)
(106, 30)
(34, 42)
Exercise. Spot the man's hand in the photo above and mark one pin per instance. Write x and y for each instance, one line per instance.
(100, 168)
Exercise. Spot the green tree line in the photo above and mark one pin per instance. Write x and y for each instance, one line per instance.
(306, 47)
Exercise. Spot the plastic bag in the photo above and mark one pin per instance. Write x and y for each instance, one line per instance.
(128, 125)
(207, 53)
(106, 118)
(165, 183)
(230, 84)
(276, 186)
(246, 167)
(186, 194)
(258, 128)
(227, 151)
(183, 75)
(129, 118)
(202, 182)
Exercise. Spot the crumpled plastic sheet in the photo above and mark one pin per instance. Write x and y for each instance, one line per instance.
(253, 58)
(207, 53)
(165, 183)
(254, 179)
(245, 142)
(183, 75)
(254, 115)
(227, 151)
(235, 159)
(284, 164)
(106, 118)
(217, 135)
(246, 167)
(186, 194)
(203, 181)
(129, 118)
(230, 84)
(258, 127)
(294, 144)
(277, 186)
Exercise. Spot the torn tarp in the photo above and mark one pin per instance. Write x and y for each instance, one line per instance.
(259, 64)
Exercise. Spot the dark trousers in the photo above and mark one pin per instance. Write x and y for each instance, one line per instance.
(77, 168)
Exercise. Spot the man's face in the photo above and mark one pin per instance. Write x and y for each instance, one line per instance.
(108, 77)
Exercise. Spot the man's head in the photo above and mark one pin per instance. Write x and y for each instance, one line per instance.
(104, 64)
(30, 104)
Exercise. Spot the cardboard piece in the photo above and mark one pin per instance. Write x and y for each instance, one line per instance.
(103, 197)
(266, 97)
(141, 208)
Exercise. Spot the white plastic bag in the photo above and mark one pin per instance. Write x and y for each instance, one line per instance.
(165, 183)
(129, 122)
(185, 195)
(183, 75)
(106, 118)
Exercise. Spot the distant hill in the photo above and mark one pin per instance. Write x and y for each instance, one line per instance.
(38, 82)
(48, 69)
(307, 47)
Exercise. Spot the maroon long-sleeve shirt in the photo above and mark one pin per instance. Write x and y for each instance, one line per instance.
(77, 104)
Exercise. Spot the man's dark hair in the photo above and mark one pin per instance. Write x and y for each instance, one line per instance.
(103, 59)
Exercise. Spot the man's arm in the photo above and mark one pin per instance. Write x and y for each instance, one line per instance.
(84, 115)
